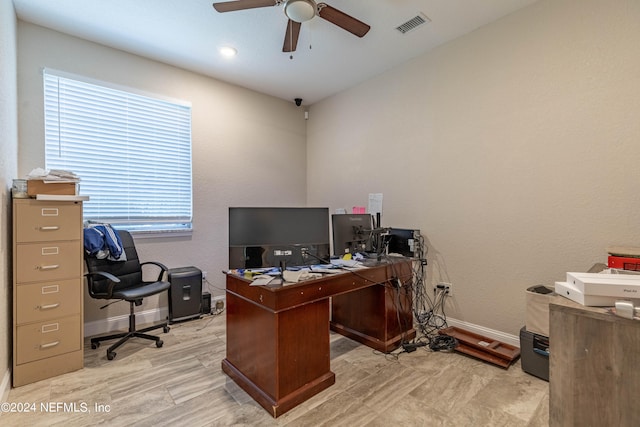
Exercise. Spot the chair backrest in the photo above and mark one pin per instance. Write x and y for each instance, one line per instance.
(129, 272)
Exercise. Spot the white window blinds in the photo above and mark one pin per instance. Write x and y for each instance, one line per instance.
(132, 152)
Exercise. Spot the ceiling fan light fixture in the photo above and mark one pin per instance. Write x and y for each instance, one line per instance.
(300, 10)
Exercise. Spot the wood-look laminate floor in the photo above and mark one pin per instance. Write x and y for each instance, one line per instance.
(182, 384)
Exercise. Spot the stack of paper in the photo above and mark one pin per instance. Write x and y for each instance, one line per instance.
(53, 175)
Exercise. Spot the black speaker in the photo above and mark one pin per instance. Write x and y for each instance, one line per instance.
(206, 303)
(185, 293)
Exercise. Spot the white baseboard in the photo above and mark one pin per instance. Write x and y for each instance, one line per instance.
(5, 385)
(481, 330)
(120, 323)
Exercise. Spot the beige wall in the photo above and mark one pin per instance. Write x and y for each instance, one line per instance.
(248, 148)
(514, 149)
(8, 171)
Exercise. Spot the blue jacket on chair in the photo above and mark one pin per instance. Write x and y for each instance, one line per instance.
(102, 241)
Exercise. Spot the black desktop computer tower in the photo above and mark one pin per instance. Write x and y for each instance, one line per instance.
(206, 303)
(404, 242)
(185, 293)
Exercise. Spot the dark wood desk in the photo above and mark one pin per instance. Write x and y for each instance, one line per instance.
(278, 336)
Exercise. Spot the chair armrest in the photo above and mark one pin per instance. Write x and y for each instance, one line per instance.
(163, 268)
(104, 274)
(96, 275)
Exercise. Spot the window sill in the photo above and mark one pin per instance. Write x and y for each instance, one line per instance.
(161, 233)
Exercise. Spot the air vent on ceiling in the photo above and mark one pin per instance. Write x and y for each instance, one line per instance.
(413, 23)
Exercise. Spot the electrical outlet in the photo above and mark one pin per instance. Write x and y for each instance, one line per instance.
(444, 287)
(204, 275)
(449, 289)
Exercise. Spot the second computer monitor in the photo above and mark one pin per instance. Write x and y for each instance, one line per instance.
(271, 236)
(351, 233)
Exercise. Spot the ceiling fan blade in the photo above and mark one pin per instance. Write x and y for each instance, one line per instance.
(342, 20)
(230, 6)
(291, 36)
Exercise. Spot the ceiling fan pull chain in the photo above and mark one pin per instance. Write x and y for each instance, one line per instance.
(290, 28)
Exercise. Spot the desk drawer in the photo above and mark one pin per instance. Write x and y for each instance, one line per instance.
(46, 339)
(37, 302)
(43, 221)
(48, 261)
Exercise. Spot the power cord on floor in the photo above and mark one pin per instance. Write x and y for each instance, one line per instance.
(443, 343)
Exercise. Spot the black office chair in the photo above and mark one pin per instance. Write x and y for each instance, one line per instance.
(123, 280)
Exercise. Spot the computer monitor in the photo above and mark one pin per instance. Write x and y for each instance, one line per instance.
(351, 233)
(270, 236)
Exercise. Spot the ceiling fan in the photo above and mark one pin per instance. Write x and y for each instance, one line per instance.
(299, 11)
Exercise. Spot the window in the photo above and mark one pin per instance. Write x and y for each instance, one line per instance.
(131, 151)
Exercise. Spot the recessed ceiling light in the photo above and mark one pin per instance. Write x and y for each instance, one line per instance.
(228, 51)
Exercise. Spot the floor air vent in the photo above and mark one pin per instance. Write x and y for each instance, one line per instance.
(413, 23)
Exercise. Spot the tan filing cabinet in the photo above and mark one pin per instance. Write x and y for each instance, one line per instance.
(47, 289)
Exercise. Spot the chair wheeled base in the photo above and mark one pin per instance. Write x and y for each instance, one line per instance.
(124, 336)
(122, 280)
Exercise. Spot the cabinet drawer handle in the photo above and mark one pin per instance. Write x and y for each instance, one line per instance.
(49, 306)
(49, 345)
(49, 228)
(49, 267)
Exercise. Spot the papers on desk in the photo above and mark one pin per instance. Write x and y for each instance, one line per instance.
(344, 262)
(262, 280)
(348, 264)
(289, 276)
(300, 275)
(266, 276)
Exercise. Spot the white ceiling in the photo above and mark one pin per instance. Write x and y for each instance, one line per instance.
(188, 34)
